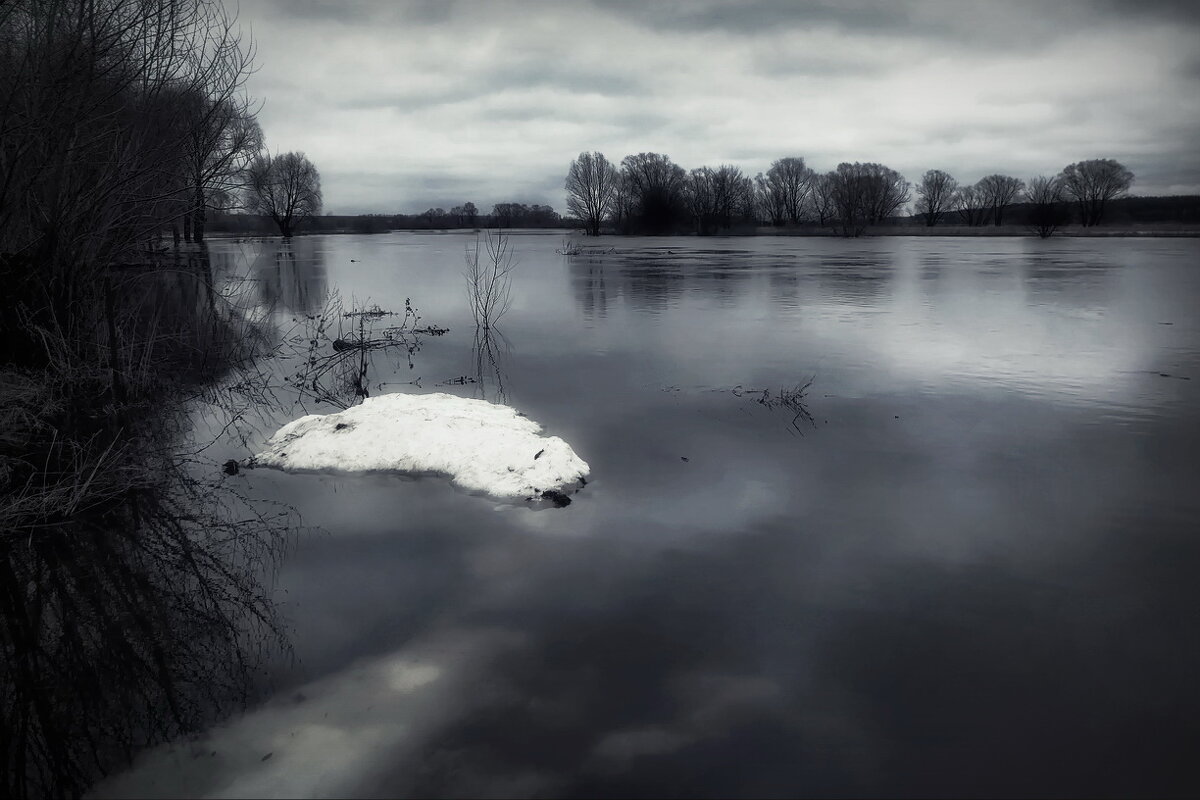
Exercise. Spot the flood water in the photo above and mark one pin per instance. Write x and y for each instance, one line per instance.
(974, 572)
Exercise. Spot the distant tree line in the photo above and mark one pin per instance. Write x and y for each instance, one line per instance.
(465, 216)
(650, 194)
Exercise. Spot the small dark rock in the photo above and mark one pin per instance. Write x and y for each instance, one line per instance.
(559, 499)
(230, 467)
(340, 426)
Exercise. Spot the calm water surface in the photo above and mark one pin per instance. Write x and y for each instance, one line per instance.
(974, 574)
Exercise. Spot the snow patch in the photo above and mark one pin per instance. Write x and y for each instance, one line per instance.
(482, 446)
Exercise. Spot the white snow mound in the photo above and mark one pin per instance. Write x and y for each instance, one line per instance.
(482, 446)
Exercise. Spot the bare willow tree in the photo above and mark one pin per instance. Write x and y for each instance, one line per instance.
(656, 187)
(997, 193)
(621, 208)
(791, 180)
(717, 198)
(821, 199)
(591, 184)
(886, 191)
(286, 187)
(93, 138)
(935, 195)
(848, 197)
(1047, 212)
(1091, 184)
(769, 202)
(971, 207)
(865, 194)
(223, 140)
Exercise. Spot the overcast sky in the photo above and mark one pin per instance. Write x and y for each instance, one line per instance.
(407, 105)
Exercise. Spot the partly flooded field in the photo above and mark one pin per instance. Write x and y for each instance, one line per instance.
(900, 516)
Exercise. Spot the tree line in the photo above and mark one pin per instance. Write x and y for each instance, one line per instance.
(648, 193)
(468, 216)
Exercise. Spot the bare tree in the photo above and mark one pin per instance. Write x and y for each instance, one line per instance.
(821, 199)
(1047, 211)
(700, 196)
(886, 191)
(591, 184)
(997, 193)
(935, 195)
(791, 179)
(621, 210)
(223, 140)
(969, 204)
(93, 136)
(848, 196)
(656, 186)
(287, 188)
(771, 206)
(489, 278)
(1093, 183)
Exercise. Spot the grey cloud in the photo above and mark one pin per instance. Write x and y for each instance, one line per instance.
(524, 74)
(421, 12)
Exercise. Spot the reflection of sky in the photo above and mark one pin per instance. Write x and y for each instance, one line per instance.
(974, 575)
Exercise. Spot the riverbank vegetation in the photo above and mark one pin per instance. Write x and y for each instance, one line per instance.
(132, 605)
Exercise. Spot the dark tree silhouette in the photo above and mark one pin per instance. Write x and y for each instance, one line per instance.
(997, 193)
(287, 188)
(821, 199)
(935, 195)
(970, 205)
(848, 198)
(656, 186)
(1047, 211)
(223, 139)
(718, 197)
(591, 184)
(791, 181)
(769, 202)
(1091, 184)
(865, 194)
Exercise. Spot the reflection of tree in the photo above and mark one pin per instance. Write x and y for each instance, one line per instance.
(591, 293)
(133, 595)
(291, 274)
(488, 353)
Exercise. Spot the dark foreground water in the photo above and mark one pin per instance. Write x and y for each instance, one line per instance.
(975, 574)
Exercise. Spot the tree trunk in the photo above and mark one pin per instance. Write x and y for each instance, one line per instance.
(199, 219)
(187, 228)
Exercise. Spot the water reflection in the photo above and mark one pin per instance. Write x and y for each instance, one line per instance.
(590, 287)
(489, 352)
(988, 530)
(291, 274)
(134, 597)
